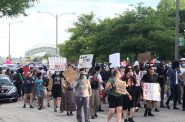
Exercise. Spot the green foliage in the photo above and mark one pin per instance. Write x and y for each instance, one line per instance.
(13, 8)
(135, 31)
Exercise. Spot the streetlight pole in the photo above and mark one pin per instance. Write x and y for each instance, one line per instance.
(9, 43)
(56, 16)
(9, 38)
(177, 31)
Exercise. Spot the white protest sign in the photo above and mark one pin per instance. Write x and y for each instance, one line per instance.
(85, 61)
(57, 63)
(151, 91)
(114, 59)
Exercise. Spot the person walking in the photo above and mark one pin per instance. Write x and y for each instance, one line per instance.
(56, 83)
(39, 89)
(174, 77)
(115, 99)
(129, 102)
(150, 77)
(82, 93)
(69, 98)
(28, 89)
(95, 97)
(161, 79)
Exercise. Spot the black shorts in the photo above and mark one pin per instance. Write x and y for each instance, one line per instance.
(138, 90)
(56, 93)
(115, 101)
(127, 104)
(28, 91)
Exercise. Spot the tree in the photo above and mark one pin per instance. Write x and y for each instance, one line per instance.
(13, 8)
(135, 31)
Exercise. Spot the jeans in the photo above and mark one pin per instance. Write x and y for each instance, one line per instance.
(82, 102)
(174, 95)
(94, 102)
(183, 106)
(162, 85)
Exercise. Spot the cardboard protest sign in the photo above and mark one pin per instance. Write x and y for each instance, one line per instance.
(85, 61)
(57, 63)
(144, 56)
(120, 87)
(70, 74)
(151, 91)
(114, 60)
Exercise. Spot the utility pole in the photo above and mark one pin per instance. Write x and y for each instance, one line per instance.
(177, 21)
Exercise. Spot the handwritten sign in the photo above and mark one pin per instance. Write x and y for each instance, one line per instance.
(85, 61)
(120, 87)
(57, 63)
(114, 59)
(151, 91)
(70, 74)
(144, 56)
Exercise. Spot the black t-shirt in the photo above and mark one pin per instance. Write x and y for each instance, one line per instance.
(29, 83)
(130, 83)
(56, 80)
(147, 78)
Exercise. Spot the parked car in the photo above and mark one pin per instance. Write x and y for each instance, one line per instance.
(12, 67)
(8, 91)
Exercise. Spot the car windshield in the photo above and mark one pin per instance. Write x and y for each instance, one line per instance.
(5, 81)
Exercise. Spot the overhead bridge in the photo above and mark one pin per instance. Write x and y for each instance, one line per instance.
(41, 48)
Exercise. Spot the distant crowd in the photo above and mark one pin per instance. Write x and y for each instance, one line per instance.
(99, 85)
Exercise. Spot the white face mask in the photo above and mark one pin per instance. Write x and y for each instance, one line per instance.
(83, 77)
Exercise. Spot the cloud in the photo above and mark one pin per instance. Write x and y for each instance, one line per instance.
(40, 28)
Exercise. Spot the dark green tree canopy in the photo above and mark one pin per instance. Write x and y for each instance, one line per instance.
(134, 31)
(13, 8)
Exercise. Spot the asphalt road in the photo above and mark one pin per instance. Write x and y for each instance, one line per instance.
(13, 112)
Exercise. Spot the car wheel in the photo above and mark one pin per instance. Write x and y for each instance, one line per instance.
(15, 100)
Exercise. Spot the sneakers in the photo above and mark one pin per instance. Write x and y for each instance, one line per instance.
(24, 106)
(175, 108)
(48, 105)
(55, 109)
(150, 113)
(95, 115)
(131, 119)
(92, 117)
(180, 102)
(167, 105)
(71, 113)
(40, 108)
(162, 106)
(31, 106)
(146, 112)
(125, 120)
(136, 109)
(100, 110)
(68, 114)
(157, 110)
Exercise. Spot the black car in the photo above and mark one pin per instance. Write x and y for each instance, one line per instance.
(8, 91)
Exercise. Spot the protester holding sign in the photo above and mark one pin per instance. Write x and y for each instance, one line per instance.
(115, 99)
(150, 77)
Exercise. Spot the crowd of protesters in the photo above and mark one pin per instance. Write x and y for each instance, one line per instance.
(96, 86)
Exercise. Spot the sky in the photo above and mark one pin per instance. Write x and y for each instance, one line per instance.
(39, 28)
